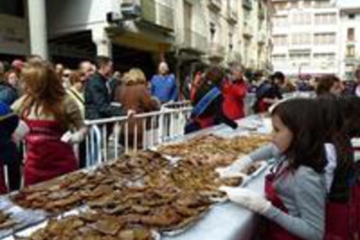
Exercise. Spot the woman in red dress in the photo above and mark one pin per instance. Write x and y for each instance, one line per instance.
(55, 124)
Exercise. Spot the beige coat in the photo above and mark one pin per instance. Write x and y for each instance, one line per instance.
(135, 96)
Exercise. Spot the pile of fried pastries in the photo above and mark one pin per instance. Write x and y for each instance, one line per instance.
(215, 150)
(6, 221)
(90, 226)
(141, 191)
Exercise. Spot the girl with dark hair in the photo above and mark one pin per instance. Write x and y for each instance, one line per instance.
(295, 189)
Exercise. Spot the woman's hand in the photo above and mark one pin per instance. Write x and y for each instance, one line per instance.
(235, 168)
(248, 199)
(20, 132)
(74, 137)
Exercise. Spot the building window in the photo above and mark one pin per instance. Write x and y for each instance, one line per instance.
(281, 5)
(324, 57)
(294, 4)
(349, 71)
(280, 40)
(322, 4)
(279, 58)
(301, 19)
(300, 58)
(301, 38)
(212, 31)
(280, 21)
(307, 3)
(325, 18)
(351, 34)
(351, 16)
(324, 38)
(350, 51)
(230, 41)
(326, 60)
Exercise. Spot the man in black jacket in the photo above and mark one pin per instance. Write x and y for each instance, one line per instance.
(269, 92)
(97, 94)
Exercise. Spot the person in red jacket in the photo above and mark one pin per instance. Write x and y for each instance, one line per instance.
(234, 90)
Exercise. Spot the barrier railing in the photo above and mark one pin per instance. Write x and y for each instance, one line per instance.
(177, 105)
(108, 138)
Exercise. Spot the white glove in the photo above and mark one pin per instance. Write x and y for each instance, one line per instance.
(247, 198)
(73, 137)
(235, 168)
(20, 132)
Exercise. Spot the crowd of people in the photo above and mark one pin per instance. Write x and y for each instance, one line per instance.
(45, 105)
(315, 178)
(218, 96)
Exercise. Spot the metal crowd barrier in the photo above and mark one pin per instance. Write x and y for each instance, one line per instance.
(177, 105)
(249, 102)
(109, 138)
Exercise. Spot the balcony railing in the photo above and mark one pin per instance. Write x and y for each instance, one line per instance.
(234, 57)
(247, 4)
(351, 39)
(148, 10)
(165, 16)
(248, 30)
(214, 4)
(349, 56)
(216, 50)
(261, 37)
(261, 13)
(232, 15)
(262, 65)
(195, 41)
(157, 13)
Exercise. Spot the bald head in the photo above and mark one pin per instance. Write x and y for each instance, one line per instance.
(237, 71)
(163, 68)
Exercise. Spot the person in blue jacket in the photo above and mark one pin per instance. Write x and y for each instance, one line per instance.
(163, 85)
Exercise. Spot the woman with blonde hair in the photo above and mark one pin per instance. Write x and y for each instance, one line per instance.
(54, 120)
(134, 94)
(76, 91)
